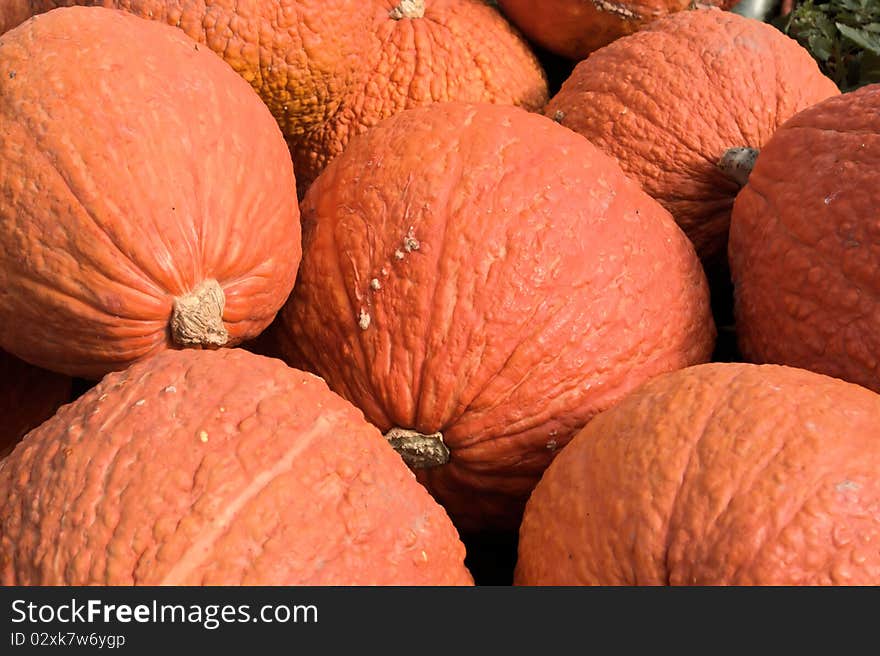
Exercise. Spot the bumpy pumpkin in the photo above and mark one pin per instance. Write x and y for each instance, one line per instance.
(425, 51)
(481, 282)
(28, 397)
(217, 468)
(719, 474)
(575, 28)
(328, 71)
(147, 198)
(804, 243)
(681, 101)
(299, 55)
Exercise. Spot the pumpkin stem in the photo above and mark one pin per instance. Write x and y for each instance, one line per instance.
(419, 451)
(197, 317)
(408, 9)
(737, 163)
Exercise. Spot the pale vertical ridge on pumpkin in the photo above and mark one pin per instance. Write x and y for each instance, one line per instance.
(265, 478)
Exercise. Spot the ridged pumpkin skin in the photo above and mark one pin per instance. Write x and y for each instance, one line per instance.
(720, 474)
(436, 51)
(217, 468)
(804, 246)
(575, 28)
(28, 397)
(670, 100)
(330, 70)
(139, 172)
(480, 271)
(299, 55)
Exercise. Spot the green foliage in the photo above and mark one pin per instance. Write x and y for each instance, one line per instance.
(842, 35)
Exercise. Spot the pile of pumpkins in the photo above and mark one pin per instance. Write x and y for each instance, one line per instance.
(347, 280)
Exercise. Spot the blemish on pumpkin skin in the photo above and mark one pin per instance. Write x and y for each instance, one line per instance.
(364, 320)
(203, 436)
(375, 285)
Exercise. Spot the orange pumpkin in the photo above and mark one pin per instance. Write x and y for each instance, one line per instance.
(804, 243)
(217, 468)
(575, 28)
(480, 282)
(28, 397)
(147, 198)
(720, 474)
(673, 102)
(299, 55)
(328, 71)
(425, 51)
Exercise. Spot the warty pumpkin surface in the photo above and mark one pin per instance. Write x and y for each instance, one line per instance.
(478, 271)
(718, 474)
(147, 197)
(575, 28)
(217, 468)
(669, 101)
(299, 55)
(805, 243)
(328, 71)
(28, 397)
(426, 51)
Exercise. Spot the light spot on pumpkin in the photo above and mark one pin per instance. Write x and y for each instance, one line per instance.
(364, 320)
(410, 243)
(399, 254)
(140, 402)
(847, 485)
(375, 285)
(551, 445)
(203, 436)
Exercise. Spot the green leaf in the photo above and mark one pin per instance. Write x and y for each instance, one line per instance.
(861, 38)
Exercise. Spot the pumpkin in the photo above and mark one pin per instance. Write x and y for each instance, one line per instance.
(299, 55)
(480, 282)
(718, 474)
(217, 468)
(575, 28)
(28, 397)
(804, 243)
(425, 51)
(683, 103)
(328, 71)
(147, 197)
